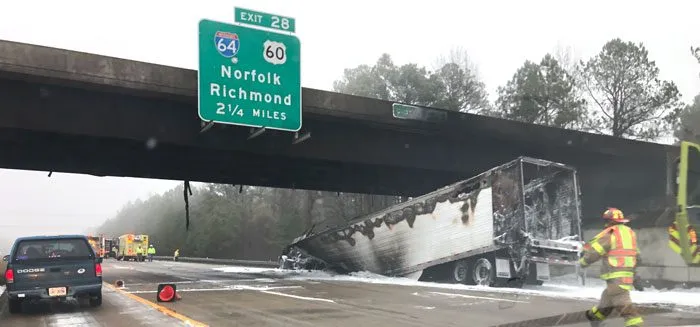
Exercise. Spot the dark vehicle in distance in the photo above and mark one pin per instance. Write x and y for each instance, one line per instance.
(53, 268)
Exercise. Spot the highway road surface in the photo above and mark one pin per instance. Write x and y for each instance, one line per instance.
(233, 297)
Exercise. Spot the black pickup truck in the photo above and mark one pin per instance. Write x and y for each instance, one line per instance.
(41, 268)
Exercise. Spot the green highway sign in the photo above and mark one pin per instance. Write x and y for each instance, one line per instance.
(257, 18)
(403, 111)
(249, 77)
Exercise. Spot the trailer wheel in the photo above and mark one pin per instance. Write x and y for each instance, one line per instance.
(460, 272)
(483, 272)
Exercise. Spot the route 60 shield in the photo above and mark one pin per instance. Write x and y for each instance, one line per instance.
(227, 43)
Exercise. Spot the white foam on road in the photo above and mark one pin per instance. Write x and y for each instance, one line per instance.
(2, 289)
(423, 307)
(243, 270)
(465, 296)
(560, 287)
(71, 319)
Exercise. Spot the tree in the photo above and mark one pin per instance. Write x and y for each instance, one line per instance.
(567, 58)
(413, 84)
(696, 54)
(629, 99)
(453, 86)
(368, 81)
(689, 123)
(408, 83)
(232, 221)
(459, 87)
(541, 93)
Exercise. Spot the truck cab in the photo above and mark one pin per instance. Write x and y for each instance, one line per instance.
(683, 232)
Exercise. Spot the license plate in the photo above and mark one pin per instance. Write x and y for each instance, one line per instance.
(57, 291)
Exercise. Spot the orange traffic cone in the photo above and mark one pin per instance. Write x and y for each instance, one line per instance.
(167, 293)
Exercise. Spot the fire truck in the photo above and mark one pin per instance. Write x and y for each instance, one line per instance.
(98, 244)
(128, 244)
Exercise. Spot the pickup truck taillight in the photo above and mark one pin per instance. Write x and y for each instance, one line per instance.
(98, 270)
(9, 276)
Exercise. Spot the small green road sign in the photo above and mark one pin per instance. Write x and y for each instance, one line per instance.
(249, 77)
(257, 18)
(403, 111)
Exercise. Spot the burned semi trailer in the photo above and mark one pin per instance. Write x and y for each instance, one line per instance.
(506, 225)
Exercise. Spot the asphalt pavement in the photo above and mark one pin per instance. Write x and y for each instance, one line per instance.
(260, 298)
(117, 309)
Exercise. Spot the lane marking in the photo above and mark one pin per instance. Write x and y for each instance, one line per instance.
(188, 321)
(299, 297)
(182, 282)
(265, 289)
(228, 288)
(478, 297)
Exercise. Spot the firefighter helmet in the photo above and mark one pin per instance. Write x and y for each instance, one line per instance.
(614, 215)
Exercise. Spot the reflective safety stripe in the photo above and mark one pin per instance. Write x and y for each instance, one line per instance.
(625, 287)
(598, 315)
(692, 235)
(601, 234)
(674, 238)
(598, 248)
(620, 252)
(623, 247)
(617, 274)
(675, 245)
(634, 321)
(605, 231)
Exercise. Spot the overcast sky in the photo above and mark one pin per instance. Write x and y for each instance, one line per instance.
(498, 35)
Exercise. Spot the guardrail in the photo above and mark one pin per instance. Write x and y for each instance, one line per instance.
(251, 263)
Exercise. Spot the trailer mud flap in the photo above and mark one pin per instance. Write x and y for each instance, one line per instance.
(542, 271)
(502, 268)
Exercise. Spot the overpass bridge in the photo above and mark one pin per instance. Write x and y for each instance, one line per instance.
(67, 111)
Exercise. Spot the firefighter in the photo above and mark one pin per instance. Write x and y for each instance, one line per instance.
(151, 252)
(139, 254)
(617, 246)
(176, 254)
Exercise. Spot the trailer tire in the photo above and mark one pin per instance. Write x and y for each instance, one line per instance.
(483, 272)
(460, 272)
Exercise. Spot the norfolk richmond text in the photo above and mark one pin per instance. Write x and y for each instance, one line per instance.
(252, 77)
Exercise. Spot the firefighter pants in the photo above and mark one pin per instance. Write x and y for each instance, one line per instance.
(616, 298)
